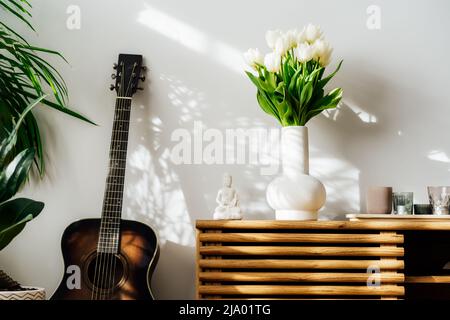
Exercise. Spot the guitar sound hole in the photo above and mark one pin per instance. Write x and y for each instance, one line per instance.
(105, 271)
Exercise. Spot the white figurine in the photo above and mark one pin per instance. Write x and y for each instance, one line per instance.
(228, 201)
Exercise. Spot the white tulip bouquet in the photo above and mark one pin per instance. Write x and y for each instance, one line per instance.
(290, 79)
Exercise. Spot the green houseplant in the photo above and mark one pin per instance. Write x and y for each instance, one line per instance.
(25, 76)
(15, 213)
(26, 80)
(290, 84)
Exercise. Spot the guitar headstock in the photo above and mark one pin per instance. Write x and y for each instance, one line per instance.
(128, 74)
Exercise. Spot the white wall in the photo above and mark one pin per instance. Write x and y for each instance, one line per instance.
(392, 128)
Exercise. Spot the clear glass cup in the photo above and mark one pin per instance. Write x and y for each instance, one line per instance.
(403, 202)
(439, 199)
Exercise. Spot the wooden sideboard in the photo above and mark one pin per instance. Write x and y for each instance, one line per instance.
(380, 259)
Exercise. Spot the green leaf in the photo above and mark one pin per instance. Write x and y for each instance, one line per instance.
(14, 175)
(306, 94)
(272, 80)
(14, 214)
(330, 101)
(325, 80)
(8, 144)
(314, 76)
(266, 105)
(286, 76)
(256, 81)
(286, 114)
(280, 89)
(282, 109)
(293, 81)
(15, 12)
(62, 109)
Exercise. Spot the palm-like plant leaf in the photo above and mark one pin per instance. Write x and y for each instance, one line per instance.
(24, 77)
(14, 215)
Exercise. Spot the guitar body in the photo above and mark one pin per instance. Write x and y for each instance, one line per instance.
(128, 271)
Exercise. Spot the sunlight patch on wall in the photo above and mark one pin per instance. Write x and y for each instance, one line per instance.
(439, 156)
(156, 198)
(192, 38)
(362, 114)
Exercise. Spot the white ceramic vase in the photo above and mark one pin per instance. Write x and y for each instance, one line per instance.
(295, 195)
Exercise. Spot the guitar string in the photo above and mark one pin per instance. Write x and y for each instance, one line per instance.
(100, 255)
(95, 284)
(109, 248)
(124, 135)
(115, 189)
(119, 189)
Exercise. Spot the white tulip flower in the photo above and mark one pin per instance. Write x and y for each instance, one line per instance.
(301, 36)
(292, 37)
(282, 45)
(253, 57)
(322, 52)
(272, 61)
(271, 38)
(312, 33)
(304, 52)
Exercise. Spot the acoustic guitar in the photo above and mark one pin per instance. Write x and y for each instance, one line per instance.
(111, 258)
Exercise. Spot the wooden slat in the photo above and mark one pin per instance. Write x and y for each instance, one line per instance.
(302, 251)
(300, 264)
(324, 225)
(198, 270)
(385, 290)
(297, 277)
(428, 279)
(384, 258)
(215, 244)
(301, 237)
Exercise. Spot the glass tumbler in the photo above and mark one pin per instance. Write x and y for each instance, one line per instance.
(439, 199)
(403, 202)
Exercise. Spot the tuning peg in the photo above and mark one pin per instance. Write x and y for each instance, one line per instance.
(112, 87)
(115, 66)
(144, 68)
(113, 76)
(139, 88)
(142, 78)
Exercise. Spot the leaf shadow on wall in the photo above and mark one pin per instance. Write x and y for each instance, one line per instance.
(154, 196)
(345, 131)
(364, 128)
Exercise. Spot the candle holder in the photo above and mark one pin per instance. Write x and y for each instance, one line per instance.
(403, 203)
(439, 199)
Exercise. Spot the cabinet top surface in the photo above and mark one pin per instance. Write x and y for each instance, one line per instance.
(329, 224)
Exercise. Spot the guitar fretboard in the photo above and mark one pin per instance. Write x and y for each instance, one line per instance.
(112, 204)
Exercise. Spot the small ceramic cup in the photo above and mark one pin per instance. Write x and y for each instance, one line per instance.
(379, 200)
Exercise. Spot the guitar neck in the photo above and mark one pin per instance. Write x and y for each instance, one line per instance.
(115, 181)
